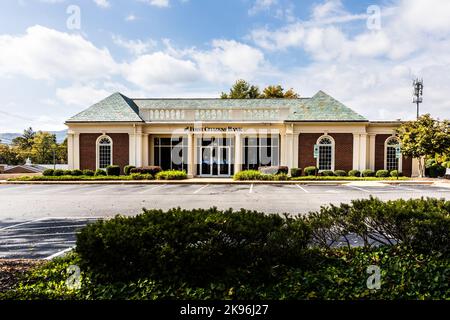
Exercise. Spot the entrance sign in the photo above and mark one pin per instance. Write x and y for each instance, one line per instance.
(206, 129)
(316, 151)
(398, 152)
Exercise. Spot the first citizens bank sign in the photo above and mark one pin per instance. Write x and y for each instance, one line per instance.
(206, 129)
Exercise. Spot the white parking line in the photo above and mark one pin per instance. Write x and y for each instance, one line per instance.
(200, 189)
(100, 190)
(299, 186)
(150, 189)
(52, 227)
(251, 189)
(60, 253)
(358, 188)
(51, 190)
(35, 244)
(23, 223)
(3, 237)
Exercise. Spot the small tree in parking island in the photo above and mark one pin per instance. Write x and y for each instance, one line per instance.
(426, 137)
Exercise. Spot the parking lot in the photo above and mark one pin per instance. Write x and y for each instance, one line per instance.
(40, 221)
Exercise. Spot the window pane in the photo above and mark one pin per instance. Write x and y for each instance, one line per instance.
(104, 156)
(391, 160)
(325, 157)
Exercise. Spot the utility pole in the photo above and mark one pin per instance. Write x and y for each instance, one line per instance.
(418, 94)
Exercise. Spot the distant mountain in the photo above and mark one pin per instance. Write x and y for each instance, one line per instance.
(8, 137)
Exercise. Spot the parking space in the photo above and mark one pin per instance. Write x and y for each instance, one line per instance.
(39, 238)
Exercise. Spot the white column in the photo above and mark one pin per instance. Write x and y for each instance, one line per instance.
(283, 144)
(372, 137)
(191, 156)
(138, 148)
(237, 153)
(295, 138)
(76, 151)
(132, 149)
(362, 151)
(145, 149)
(356, 151)
(289, 150)
(70, 151)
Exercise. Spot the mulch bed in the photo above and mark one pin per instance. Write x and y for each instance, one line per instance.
(12, 270)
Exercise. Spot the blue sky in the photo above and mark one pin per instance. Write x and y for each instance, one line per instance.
(364, 53)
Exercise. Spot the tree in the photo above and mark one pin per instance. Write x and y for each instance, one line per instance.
(291, 94)
(44, 144)
(424, 138)
(273, 92)
(242, 90)
(9, 155)
(61, 153)
(24, 143)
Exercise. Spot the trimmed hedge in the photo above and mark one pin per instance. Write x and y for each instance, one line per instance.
(382, 174)
(127, 169)
(171, 175)
(113, 170)
(88, 172)
(354, 173)
(310, 171)
(296, 172)
(327, 173)
(274, 170)
(254, 175)
(395, 174)
(77, 172)
(48, 172)
(153, 170)
(100, 172)
(368, 173)
(139, 176)
(58, 172)
(340, 173)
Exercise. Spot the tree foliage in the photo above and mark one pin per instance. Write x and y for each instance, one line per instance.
(243, 90)
(424, 138)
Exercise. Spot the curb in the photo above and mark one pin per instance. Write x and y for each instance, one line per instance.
(180, 182)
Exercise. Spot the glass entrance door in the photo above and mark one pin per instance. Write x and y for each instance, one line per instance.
(215, 161)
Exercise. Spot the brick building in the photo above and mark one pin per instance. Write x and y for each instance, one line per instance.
(216, 137)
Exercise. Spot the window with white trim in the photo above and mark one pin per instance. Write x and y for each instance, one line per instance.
(325, 161)
(392, 162)
(104, 152)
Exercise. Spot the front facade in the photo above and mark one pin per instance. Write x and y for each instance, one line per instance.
(219, 137)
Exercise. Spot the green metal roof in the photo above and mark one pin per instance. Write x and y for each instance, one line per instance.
(119, 108)
(322, 107)
(115, 108)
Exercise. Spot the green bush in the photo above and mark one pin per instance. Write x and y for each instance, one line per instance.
(67, 172)
(280, 177)
(382, 174)
(171, 175)
(196, 246)
(140, 176)
(48, 172)
(354, 173)
(88, 173)
(310, 171)
(127, 169)
(77, 173)
(58, 172)
(113, 170)
(395, 174)
(327, 173)
(296, 172)
(247, 175)
(436, 171)
(340, 173)
(368, 173)
(153, 170)
(100, 172)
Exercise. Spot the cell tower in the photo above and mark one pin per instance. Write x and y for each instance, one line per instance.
(418, 93)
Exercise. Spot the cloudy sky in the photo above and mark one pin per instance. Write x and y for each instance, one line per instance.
(57, 57)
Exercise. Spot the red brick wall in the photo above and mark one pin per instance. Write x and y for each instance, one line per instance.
(380, 139)
(343, 150)
(88, 152)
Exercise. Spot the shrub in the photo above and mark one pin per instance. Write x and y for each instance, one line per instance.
(77, 172)
(100, 172)
(194, 246)
(67, 172)
(340, 173)
(113, 170)
(88, 172)
(296, 172)
(247, 175)
(48, 172)
(395, 174)
(171, 175)
(382, 174)
(140, 176)
(281, 177)
(58, 172)
(310, 171)
(153, 170)
(354, 173)
(274, 170)
(436, 170)
(127, 169)
(368, 173)
(327, 173)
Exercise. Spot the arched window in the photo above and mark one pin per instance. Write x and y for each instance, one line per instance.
(391, 161)
(325, 160)
(104, 152)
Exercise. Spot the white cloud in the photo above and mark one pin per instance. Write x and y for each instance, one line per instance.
(136, 47)
(81, 95)
(157, 3)
(261, 5)
(43, 53)
(130, 17)
(102, 3)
